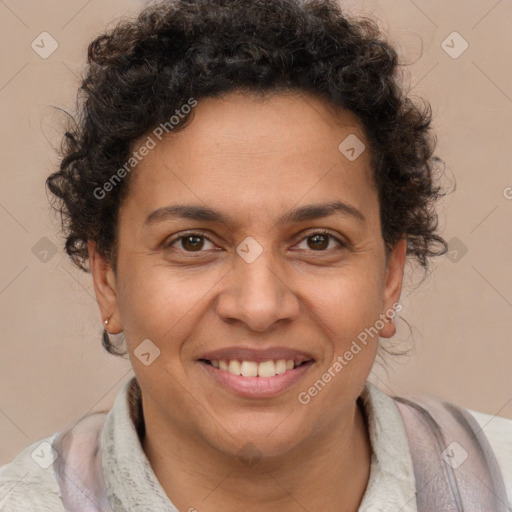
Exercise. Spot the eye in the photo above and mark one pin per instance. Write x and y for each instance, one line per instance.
(190, 242)
(320, 240)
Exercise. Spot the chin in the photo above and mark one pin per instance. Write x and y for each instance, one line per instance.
(250, 446)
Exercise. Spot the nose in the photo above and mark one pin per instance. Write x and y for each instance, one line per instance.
(257, 295)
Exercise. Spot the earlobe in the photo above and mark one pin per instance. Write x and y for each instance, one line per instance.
(393, 287)
(105, 289)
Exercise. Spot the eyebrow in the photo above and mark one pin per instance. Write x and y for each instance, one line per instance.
(301, 214)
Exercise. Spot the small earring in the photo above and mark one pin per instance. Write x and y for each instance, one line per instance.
(106, 321)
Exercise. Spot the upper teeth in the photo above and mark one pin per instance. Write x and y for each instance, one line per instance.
(252, 368)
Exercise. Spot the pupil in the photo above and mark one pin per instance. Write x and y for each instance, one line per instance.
(194, 245)
(322, 239)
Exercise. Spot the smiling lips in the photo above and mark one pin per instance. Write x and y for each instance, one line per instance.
(250, 362)
(256, 373)
(254, 369)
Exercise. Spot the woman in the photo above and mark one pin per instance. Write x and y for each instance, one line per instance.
(245, 183)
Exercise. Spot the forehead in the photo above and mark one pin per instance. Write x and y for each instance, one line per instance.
(247, 151)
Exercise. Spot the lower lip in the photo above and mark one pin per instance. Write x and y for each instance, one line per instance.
(257, 387)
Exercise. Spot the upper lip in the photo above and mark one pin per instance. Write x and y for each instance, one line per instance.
(257, 354)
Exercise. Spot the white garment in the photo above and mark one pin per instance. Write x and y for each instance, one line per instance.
(133, 487)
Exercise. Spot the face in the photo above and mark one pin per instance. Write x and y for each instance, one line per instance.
(249, 242)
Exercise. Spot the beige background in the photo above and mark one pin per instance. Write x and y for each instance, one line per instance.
(53, 369)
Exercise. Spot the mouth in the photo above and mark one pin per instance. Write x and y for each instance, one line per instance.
(263, 369)
(256, 373)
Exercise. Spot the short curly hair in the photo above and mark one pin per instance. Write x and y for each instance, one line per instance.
(141, 71)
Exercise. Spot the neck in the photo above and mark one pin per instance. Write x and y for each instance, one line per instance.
(329, 473)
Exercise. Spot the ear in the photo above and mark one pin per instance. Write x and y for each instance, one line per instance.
(104, 281)
(393, 287)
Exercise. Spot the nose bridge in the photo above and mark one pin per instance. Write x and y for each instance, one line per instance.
(258, 280)
(257, 294)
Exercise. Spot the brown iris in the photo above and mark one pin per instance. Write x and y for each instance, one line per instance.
(192, 242)
(319, 241)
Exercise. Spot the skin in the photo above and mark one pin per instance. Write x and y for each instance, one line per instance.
(253, 159)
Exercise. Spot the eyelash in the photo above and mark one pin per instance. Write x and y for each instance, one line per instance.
(169, 244)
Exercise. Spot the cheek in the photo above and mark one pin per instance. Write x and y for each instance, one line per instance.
(351, 301)
(161, 303)
(349, 308)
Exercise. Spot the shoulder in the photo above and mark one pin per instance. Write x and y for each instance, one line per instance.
(498, 432)
(28, 483)
(450, 416)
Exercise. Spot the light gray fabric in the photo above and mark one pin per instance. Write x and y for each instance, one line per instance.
(78, 467)
(454, 467)
(131, 482)
(25, 486)
(132, 485)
